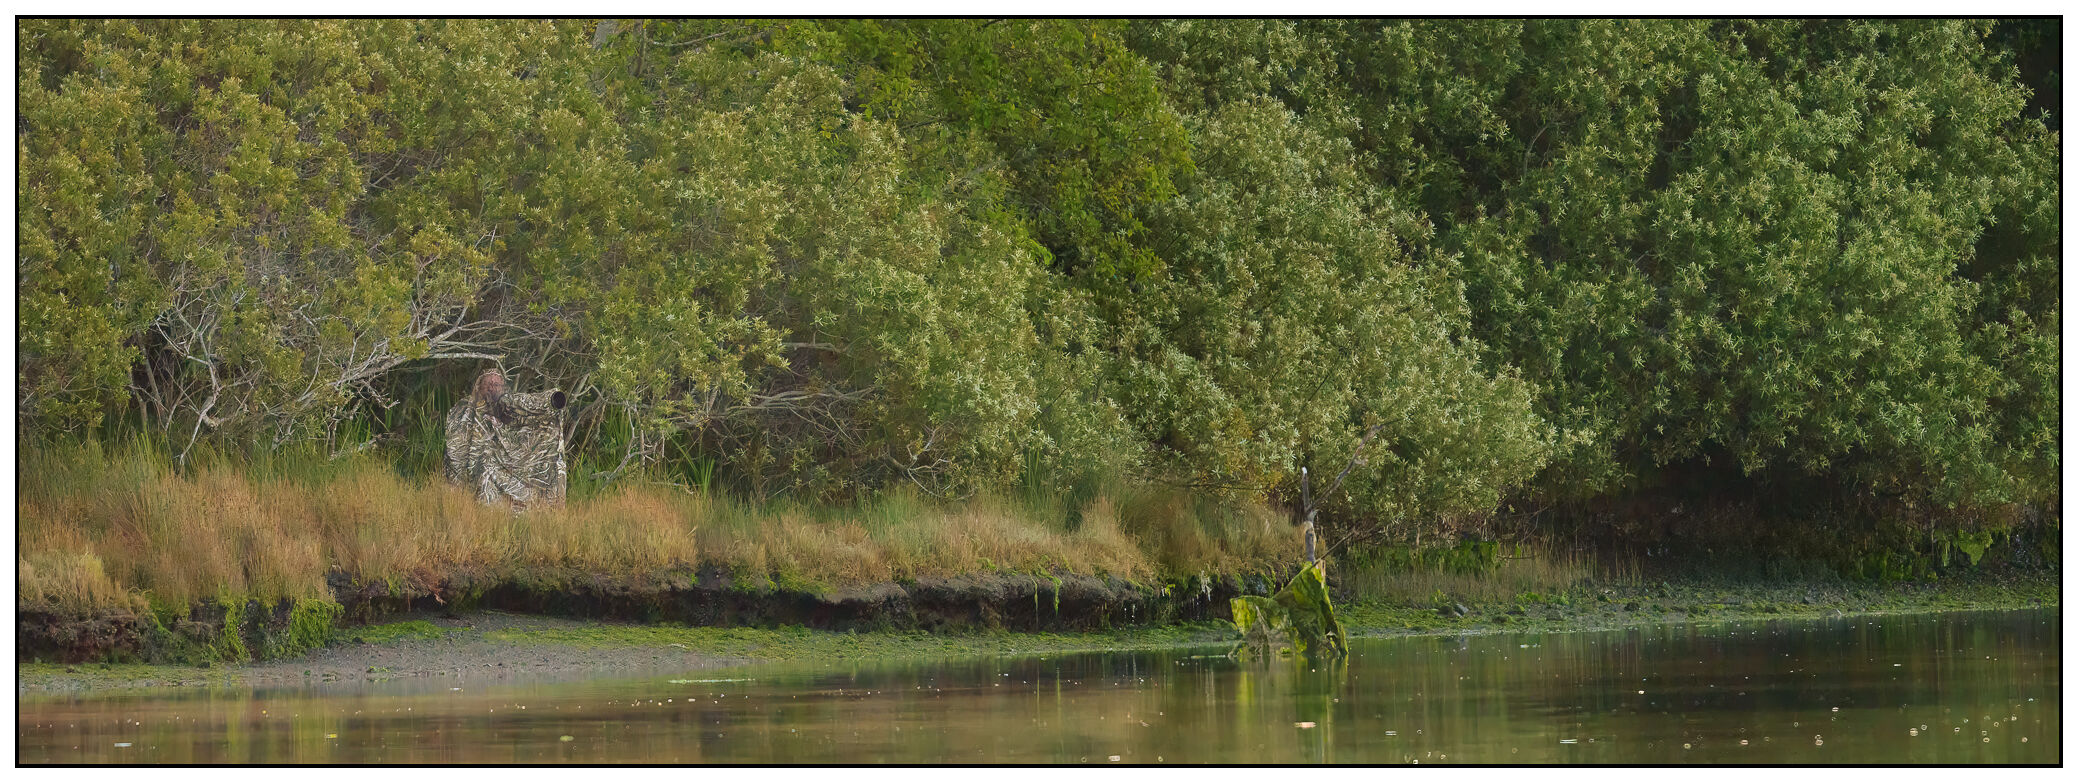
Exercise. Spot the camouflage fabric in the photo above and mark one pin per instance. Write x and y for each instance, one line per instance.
(509, 449)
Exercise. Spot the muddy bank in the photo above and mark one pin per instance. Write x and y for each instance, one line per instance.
(491, 645)
(1593, 606)
(481, 646)
(994, 601)
(206, 632)
(432, 648)
(1000, 601)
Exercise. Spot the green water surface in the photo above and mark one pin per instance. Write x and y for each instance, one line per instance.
(1922, 689)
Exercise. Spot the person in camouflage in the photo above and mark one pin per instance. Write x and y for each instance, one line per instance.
(508, 447)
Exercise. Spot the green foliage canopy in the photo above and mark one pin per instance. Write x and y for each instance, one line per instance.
(1563, 259)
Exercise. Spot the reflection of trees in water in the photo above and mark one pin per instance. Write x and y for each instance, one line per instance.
(1479, 698)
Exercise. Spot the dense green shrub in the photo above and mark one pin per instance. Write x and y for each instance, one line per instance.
(1468, 261)
(1816, 247)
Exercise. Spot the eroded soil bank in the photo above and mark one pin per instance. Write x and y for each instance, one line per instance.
(211, 632)
(491, 644)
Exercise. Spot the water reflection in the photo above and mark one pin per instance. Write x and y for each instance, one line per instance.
(1956, 688)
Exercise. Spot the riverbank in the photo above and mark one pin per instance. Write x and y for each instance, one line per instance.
(214, 633)
(491, 645)
(123, 557)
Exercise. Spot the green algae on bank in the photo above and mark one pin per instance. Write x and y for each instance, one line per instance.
(549, 645)
(389, 632)
(798, 643)
(1587, 608)
(1593, 606)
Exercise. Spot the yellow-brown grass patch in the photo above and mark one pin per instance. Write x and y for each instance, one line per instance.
(104, 529)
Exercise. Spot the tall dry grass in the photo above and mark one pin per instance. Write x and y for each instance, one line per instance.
(1188, 533)
(146, 529)
(120, 527)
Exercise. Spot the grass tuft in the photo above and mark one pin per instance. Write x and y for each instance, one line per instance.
(104, 527)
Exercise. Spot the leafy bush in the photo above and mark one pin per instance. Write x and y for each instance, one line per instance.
(1468, 261)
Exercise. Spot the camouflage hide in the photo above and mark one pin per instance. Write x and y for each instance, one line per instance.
(509, 451)
(1299, 618)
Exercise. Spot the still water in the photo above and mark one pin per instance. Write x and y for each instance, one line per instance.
(1920, 689)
